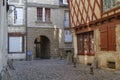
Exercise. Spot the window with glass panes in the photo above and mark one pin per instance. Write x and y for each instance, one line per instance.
(109, 4)
(85, 43)
(17, 15)
(43, 14)
(39, 14)
(66, 19)
(15, 44)
(68, 36)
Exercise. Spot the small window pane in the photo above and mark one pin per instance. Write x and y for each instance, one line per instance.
(109, 4)
(65, 2)
(39, 14)
(47, 14)
(66, 19)
(17, 16)
(68, 36)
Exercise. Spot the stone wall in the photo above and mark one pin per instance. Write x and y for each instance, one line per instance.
(57, 21)
(50, 33)
(108, 56)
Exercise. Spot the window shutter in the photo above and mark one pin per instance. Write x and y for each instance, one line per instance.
(103, 38)
(78, 41)
(111, 38)
(47, 14)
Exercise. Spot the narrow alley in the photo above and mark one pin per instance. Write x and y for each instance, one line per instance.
(56, 69)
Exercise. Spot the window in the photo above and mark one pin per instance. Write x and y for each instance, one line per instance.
(15, 44)
(107, 38)
(66, 19)
(39, 14)
(63, 2)
(109, 4)
(68, 36)
(86, 44)
(43, 14)
(16, 15)
(47, 14)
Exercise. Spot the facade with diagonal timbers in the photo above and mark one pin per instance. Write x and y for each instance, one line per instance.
(96, 31)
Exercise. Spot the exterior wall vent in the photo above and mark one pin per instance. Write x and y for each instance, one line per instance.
(111, 64)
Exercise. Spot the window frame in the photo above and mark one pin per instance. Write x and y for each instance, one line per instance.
(63, 2)
(86, 43)
(44, 11)
(22, 43)
(47, 14)
(66, 19)
(70, 35)
(114, 7)
(15, 17)
(39, 14)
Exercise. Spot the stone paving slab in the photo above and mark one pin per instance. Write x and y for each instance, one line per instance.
(55, 69)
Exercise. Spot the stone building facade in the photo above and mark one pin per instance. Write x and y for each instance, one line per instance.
(96, 27)
(45, 28)
(16, 29)
(39, 26)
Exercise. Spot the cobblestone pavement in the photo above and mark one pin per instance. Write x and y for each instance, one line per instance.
(55, 69)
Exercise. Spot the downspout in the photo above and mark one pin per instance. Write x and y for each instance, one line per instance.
(26, 26)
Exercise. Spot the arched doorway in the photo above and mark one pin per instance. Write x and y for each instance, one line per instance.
(42, 47)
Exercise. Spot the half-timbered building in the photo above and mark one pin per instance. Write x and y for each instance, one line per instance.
(96, 31)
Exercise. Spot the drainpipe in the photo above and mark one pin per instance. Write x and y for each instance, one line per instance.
(26, 26)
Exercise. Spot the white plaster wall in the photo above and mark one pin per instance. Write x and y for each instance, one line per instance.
(3, 36)
(52, 2)
(17, 56)
(31, 16)
(75, 44)
(85, 59)
(16, 29)
(0, 36)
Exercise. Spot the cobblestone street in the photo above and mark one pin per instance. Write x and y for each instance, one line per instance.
(55, 69)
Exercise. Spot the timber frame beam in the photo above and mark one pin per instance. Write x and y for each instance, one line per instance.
(94, 24)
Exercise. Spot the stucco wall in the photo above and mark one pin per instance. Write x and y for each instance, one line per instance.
(51, 2)
(4, 70)
(84, 59)
(3, 36)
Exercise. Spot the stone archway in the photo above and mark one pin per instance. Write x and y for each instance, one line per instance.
(42, 47)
